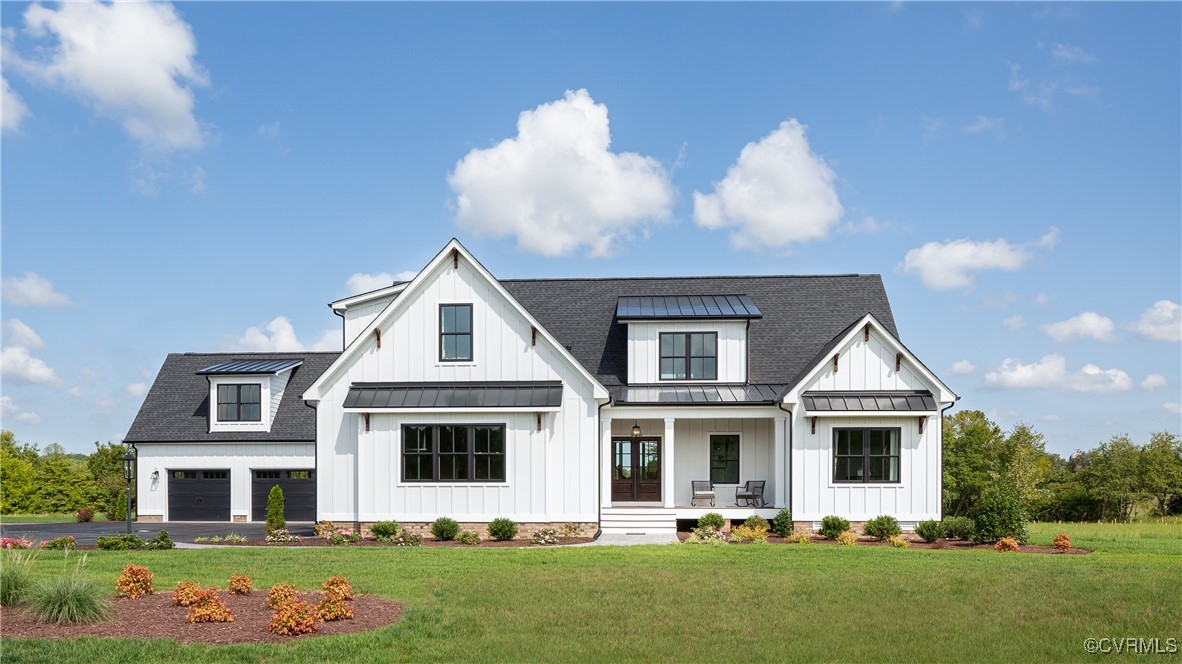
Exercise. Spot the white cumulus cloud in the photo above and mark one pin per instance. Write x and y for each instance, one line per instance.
(1171, 407)
(135, 390)
(557, 186)
(18, 366)
(776, 193)
(32, 290)
(1154, 381)
(1088, 325)
(280, 336)
(10, 410)
(362, 282)
(1015, 322)
(1161, 322)
(947, 265)
(16, 333)
(962, 368)
(1072, 54)
(13, 110)
(1050, 372)
(134, 62)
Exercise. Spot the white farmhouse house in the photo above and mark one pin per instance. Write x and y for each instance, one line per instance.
(604, 403)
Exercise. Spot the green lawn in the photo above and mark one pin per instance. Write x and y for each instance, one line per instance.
(691, 603)
(44, 518)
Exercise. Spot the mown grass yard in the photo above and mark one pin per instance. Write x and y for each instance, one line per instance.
(691, 603)
(46, 518)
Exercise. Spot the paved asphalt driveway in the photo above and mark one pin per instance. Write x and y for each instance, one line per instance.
(86, 533)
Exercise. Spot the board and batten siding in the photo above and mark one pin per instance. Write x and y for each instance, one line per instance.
(359, 317)
(867, 365)
(552, 473)
(644, 349)
(239, 458)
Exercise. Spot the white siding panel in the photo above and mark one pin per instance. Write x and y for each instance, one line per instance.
(867, 365)
(359, 318)
(644, 356)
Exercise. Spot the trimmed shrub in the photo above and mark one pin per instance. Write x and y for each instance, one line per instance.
(882, 527)
(468, 537)
(782, 523)
(999, 514)
(63, 543)
(332, 607)
(833, 526)
(847, 538)
(1062, 542)
(279, 594)
(15, 543)
(135, 581)
(384, 531)
(445, 529)
(706, 535)
(755, 533)
(126, 542)
(711, 520)
(240, 584)
(1006, 545)
(545, 536)
(69, 598)
(756, 521)
(929, 530)
(84, 515)
(293, 617)
(338, 586)
(570, 530)
(502, 529)
(282, 536)
(210, 607)
(959, 527)
(186, 593)
(898, 541)
(117, 510)
(343, 536)
(325, 528)
(160, 541)
(275, 507)
(407, 539)
(800, 538)
(15, 584)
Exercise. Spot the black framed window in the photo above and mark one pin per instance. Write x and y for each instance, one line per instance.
(453, 453)
(689, 355)
(455, 332)
(724, 459)
(866, 455)
(240, 403)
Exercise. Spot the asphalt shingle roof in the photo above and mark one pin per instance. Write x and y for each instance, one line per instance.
(177, 407)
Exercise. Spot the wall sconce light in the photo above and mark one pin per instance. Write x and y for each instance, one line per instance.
(636, 430)
(155, 475)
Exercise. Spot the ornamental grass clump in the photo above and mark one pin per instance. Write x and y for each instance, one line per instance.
(210, 607)
(69, 598)
(833, 526)
(445, 529)
(1006, 545)
(135, 581)
(186, 593)
(15, 580)
(293, 617)
(847, 538)
(240, 584)
(280, 593)
(882, 527)
(1062, 543)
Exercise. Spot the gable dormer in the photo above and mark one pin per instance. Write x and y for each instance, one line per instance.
(687, 338)
(244, 394)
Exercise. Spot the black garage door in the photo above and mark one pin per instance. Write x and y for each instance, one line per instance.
(199, 495)
(299, 494)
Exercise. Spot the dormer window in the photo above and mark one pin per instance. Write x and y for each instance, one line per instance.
(689, 356)
(240, 403)
(455, 332)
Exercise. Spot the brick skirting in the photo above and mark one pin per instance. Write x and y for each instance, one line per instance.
(149, 518)
(525, 531)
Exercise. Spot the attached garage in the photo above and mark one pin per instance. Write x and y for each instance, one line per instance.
(299, 493)
(199, 495)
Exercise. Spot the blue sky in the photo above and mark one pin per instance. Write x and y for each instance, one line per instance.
(206, 176)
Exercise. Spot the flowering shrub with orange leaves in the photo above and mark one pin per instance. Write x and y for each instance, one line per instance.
(134, 581)
(1062, 542)
(209, 607)
(334, 607)
(1006, 544)
(280, 593)
(240, 584)
(186, 593)
(338, 586)
(293, 617)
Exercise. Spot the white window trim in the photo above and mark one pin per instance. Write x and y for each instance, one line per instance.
(904, 461)
(739, 434)
(264, 383)
(438, 327)
(397, 458)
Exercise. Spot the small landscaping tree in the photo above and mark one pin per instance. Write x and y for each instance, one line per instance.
(999, 514)
(275, 507)
(782, 523)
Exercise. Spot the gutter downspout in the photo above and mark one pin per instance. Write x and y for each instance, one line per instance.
(343, 340)
(942, 411)
(599, 463)
(787, 456)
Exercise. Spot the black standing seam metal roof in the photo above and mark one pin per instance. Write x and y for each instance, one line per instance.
(696, 395)
(176, 408)
(869, 401)
(686, 306)
(547, 394)
(251, 366)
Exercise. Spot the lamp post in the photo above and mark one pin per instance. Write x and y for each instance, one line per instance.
(128, 465)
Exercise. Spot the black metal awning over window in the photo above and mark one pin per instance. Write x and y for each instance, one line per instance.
(686, 306)
(907, 401)
(475, 395)
(696, 395)
(251, 366)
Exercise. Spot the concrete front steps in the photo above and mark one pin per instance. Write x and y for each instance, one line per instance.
(637, 521)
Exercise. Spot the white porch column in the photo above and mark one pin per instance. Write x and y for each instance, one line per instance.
(667, 464)
(605, 462)
(779, 476)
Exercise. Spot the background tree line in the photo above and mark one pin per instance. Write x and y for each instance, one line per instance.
(54, 482)
(1112, 482)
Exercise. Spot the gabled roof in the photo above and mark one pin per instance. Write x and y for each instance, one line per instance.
(176, 409)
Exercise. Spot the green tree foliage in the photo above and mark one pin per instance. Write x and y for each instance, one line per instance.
(54, 481)
(1021, 463)
(1114, 476)
(1161, 471)
(17, 494)
(105, 465)
(275, 506)
(969, 441)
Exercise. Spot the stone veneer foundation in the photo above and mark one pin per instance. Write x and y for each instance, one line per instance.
(525, 531)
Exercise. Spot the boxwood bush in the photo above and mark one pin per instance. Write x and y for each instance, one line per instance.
(999, 514)
(833, 525)
(384, 531)
(120, 542)
(445, 529)
(782, 523)
(960, 527)
(930, 531)
(502, 529)
(711, 520)
(883, 527)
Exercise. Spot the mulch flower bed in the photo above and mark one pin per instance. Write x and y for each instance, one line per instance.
(916, 543)
(317, 541)
(156, 617)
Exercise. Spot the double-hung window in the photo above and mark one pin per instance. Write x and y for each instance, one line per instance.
(240, 403)
(866, 455)
(689, 355)
(455, 332)
(453, 453)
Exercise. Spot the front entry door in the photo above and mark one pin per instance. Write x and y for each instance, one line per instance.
(636, 469)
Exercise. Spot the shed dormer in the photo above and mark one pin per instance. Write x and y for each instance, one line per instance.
(687, 338)
(245, 394)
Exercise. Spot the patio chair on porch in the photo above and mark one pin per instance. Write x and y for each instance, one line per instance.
(703, 490)
(751, 493)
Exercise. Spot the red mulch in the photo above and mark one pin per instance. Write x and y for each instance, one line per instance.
(156, 617)
(915, 543)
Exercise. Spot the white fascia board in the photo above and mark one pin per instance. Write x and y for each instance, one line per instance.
(362, 298)
(691, 412)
